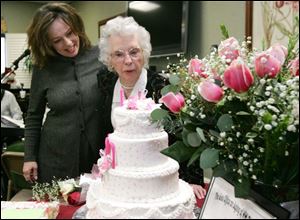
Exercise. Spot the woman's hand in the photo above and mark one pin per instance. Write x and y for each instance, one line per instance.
(30, 171)
(199, 191)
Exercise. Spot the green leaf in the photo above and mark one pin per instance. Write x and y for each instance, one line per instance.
(179, 151)
(201, 134)
(195, 156)
(209, 158)
(185, 133)
(224, 31)
(169, 88)
(214, 133)
(225, 122)
(242, 189)
(251, 135)
(225, 168)
(243, 113)
(174, 80)
(267, 117)
(159, 114)
(193, 139)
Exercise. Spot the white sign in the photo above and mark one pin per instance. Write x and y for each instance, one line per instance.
(220, 203)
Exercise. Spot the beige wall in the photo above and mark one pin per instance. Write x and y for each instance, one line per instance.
(94, 11)
(17, 14)
(205, 19)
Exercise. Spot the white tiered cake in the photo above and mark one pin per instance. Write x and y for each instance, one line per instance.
(144, 182)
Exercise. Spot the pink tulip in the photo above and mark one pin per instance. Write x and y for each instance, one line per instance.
(210, 91)
(173, 102)
(294, 67)
(238, 76)
(279, 52)
(266, 64)
(196, 66)
(229, 48)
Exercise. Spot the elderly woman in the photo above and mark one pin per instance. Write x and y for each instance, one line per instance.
(125, 49)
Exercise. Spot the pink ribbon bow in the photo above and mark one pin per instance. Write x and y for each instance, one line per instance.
(106, 161)
(110, 149)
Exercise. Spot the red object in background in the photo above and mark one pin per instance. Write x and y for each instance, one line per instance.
(66, 211)
(8, 77)
(74, 199)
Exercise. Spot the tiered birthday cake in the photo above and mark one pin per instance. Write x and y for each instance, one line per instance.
(137, 180)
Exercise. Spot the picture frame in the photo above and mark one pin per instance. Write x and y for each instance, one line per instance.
(220, 196)
(103, 22)
(268, 22)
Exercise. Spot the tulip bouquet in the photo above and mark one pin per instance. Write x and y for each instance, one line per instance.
(237, 111)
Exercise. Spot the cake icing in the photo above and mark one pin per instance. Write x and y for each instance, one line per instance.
(137, 181)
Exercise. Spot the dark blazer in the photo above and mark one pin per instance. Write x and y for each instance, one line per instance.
(106, 83)
(67, 144)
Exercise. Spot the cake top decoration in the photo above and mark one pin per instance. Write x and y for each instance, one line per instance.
(139, 102)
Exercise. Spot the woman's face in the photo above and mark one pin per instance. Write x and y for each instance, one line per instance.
(126, 58)
(62, 38)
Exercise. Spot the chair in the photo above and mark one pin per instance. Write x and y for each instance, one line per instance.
(12, 164)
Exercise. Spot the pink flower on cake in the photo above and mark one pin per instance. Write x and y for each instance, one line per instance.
(106, 160)
(132, 103)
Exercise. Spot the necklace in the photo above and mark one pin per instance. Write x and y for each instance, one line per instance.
(126, 87)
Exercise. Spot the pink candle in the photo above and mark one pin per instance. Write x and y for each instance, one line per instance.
(122, 96)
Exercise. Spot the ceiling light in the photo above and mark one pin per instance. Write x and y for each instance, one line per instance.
(144, 6)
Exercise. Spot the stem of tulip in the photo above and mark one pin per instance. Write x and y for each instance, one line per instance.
(268, 171)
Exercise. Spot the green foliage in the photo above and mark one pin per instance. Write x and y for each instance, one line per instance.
(245, 137)
(224, 31)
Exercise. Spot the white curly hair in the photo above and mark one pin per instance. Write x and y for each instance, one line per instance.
(123, 26)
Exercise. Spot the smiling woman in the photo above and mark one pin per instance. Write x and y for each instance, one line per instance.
(62, 58)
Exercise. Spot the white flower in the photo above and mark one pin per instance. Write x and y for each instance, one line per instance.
(292, 128)
(223, 134)
(268, 127)
(245, 163)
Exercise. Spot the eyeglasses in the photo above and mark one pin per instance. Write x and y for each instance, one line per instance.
(120, 55)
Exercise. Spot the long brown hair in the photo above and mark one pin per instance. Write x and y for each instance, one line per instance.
(37, 31)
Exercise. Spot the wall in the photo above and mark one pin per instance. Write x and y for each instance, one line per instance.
(18, 14)
(94, 11)
(204, 20)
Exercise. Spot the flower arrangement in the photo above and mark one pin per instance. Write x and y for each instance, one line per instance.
(67, 190)
(237, 112)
